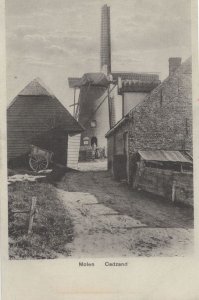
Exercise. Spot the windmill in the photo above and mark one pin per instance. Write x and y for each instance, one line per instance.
(95, 108)
(102, 78)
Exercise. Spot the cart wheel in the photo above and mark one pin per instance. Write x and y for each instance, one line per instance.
(38, 163)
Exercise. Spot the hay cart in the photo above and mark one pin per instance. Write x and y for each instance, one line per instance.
(39, 159)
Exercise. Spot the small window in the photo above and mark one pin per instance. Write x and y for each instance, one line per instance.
(86, 141)
(93, 123)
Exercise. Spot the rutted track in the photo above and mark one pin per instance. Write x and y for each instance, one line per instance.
(111, 220)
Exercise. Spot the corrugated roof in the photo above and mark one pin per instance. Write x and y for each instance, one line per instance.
(163, 155)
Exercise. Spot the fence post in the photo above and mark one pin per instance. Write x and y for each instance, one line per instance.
(173, 191)
(32, 213)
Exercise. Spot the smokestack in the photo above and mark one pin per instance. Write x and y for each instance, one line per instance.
(174, 63)
(105, 49)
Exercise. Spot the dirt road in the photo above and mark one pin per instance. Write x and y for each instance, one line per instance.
(111, 220)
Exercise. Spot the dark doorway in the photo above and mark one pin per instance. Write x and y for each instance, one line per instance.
(59, 147)
(93, 141)
(56, 141)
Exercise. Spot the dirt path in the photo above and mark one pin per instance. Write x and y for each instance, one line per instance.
(111, 220)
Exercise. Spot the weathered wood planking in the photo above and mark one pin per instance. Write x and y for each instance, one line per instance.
(73, 151)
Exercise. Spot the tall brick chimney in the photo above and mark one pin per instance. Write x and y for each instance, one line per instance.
(174, 63)
(105, 48)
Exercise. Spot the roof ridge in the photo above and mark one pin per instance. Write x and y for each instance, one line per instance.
(36, 87)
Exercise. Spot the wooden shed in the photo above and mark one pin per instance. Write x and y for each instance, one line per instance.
(165, 173)
(36, 116)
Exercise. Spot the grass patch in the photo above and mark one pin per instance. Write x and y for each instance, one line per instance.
(52, 227)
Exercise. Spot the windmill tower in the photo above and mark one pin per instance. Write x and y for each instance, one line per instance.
(94, 108)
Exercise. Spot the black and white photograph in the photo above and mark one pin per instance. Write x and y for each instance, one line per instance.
(99, 129)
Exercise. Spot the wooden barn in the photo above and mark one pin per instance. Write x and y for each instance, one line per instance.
(37, 117)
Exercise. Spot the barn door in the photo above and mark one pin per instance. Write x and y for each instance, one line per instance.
(60, 147)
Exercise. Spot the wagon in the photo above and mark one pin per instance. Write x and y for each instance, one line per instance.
(39, 159)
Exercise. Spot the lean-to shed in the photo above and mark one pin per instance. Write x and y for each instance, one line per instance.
(36, 116)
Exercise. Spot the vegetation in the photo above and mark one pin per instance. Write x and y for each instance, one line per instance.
(52, 228)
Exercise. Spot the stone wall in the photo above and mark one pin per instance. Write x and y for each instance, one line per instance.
(162, 121)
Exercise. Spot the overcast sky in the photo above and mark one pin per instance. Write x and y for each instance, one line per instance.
(57, 39)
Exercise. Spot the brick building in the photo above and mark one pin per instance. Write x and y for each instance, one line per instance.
(162, 121)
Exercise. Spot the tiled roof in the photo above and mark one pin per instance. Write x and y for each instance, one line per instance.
(129, 85)
(135, 76)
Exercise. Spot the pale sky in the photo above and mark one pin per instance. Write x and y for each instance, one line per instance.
(57, 39)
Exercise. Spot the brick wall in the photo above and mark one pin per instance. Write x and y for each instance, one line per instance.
(163, 120)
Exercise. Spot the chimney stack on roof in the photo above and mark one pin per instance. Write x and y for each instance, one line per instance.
(174, 63)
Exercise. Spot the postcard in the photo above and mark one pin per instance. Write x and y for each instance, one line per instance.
(99, 149)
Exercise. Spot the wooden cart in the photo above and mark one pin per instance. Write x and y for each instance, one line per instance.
(39, 159)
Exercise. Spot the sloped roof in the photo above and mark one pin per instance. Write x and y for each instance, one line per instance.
(102, 80)
(135, 76)
(133, 85)
(36, 88)
(136, 82)
(35, 110)
(163, 155)
(185, 68)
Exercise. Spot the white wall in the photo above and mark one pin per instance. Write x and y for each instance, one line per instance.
(73, 151)
(118, 105)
